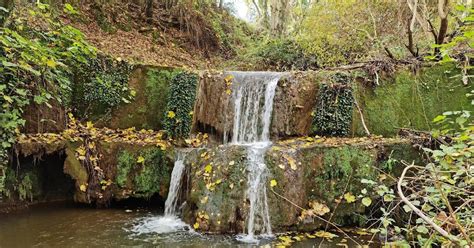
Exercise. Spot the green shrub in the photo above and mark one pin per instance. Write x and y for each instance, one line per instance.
(285, 55)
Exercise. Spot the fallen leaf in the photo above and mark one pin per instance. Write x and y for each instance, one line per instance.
(171, 114)
(83, 188)
(273, 183)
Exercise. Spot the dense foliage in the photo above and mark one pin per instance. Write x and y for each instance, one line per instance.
(333, 111)
(101, 85)
(180, 106)
(37, 54)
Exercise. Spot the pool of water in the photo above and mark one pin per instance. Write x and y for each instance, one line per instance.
(72, 226)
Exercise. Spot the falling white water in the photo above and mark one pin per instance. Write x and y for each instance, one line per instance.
(170, 222)
(171, 204)
(253, 106)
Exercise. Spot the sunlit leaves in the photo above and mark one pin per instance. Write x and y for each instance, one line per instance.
(366, 201)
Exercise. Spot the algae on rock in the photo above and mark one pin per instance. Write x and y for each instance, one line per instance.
(410, 100)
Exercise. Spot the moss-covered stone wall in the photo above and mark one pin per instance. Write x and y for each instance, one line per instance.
(147, 110)
(128, 171)
(306, 170)
(410, 100)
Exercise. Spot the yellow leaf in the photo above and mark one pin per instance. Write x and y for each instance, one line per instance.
(231, 186)
(89, 125)
(83, 188)
(140, 160)
(208, 168)
(204, 200)
(219, 181)
(323, 234)
(8, 99)
(350, 198)
(228, 78)
(273, 183)
(228, 92)
(196, 226)
(171, 114)
(51, 63)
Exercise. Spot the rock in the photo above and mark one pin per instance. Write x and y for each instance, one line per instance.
(321, 176)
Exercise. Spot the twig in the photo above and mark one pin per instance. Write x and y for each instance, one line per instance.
(418, 211)
(362, 118)
(322, 219)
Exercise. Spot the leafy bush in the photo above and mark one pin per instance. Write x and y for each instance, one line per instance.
(37, 62)
(342, 32)
(285, 55)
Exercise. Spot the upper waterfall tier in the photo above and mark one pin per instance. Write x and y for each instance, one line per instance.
(252, 95)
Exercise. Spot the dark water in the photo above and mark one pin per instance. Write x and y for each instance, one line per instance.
(70, 226)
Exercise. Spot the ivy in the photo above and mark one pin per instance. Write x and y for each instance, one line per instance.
(333, 113)
(36, 64)
(101, 85)
(179, 109)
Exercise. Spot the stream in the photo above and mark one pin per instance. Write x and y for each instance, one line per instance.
(69, 225)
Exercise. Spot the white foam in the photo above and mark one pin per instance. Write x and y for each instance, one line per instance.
(160, 225)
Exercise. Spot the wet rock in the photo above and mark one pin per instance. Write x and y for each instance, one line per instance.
(305, 172)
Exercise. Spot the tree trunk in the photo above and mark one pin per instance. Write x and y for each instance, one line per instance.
(149, 11)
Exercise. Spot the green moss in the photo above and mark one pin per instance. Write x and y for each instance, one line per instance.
(73, 167)
(157, 87)
(125, 163)
(410, 101)
(153, 174)
(341, 165)
(147, 110)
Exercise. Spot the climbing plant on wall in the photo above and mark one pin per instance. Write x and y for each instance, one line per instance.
(333, 113)
(179, 109)
(100, 85)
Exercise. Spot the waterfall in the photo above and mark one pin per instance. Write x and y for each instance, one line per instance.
(170, 222)
(253, 94)
(171, 204)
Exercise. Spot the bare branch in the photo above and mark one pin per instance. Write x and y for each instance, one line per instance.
(418, 211)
